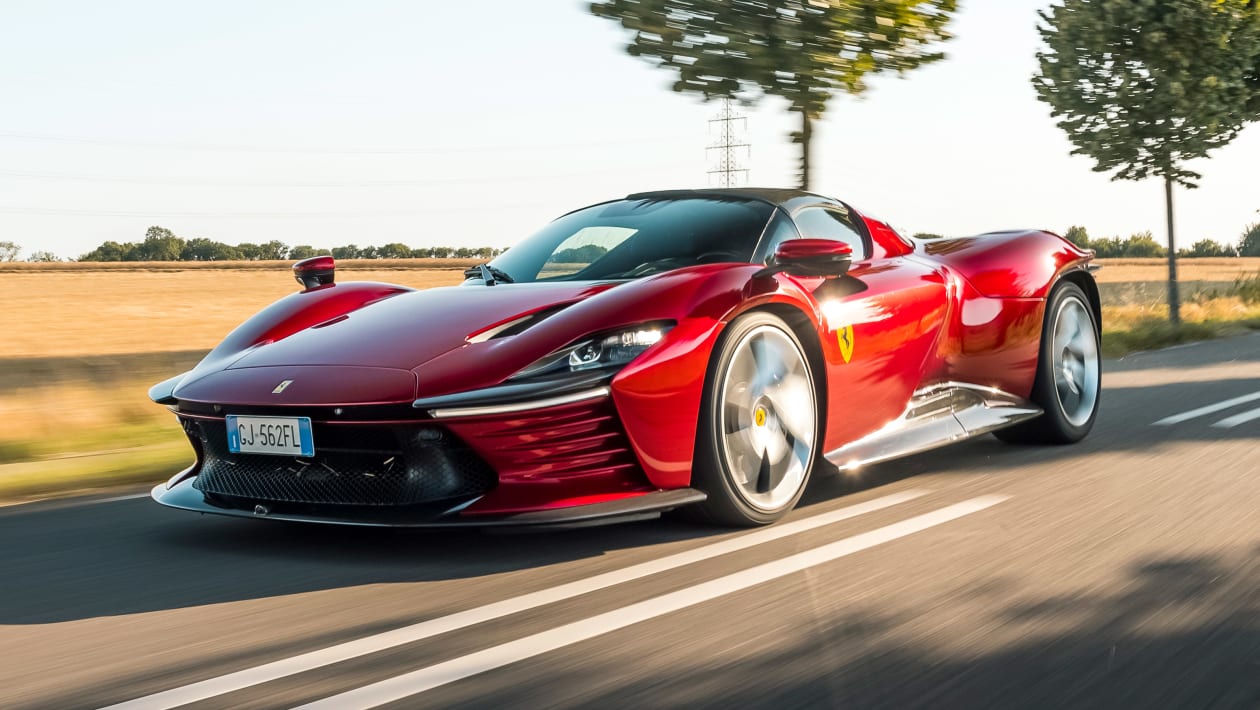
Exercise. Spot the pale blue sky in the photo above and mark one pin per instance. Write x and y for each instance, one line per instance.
(474, 123)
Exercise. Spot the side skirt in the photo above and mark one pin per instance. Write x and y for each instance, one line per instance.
(937, 415)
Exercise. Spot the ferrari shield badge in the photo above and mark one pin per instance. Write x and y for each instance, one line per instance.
(845, 337)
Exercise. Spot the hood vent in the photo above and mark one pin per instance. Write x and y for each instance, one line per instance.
(516, 326)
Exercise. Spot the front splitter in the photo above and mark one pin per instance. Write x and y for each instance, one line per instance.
(641, 507)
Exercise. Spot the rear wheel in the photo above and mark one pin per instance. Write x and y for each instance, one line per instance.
(759, 424)
(1069, 373)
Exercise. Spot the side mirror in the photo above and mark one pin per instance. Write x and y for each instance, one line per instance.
(809, 257)
(315, 272)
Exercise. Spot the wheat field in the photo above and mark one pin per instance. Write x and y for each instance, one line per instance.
(73, 313)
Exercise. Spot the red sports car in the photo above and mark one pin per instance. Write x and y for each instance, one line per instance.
(705, 349)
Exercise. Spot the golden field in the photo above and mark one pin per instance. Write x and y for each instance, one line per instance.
(80, 312)
(1222, 269)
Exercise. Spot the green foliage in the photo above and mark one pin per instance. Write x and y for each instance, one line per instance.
(160, 244)
(1206, 248)
(9, 251)
(1142, 86)
(927, 235)
(1078, 236)
(1248, 288)
(1143, 245)
(800, 50)
(395, 251)
(202, 249)
(1249, 243)
(44, 257)
(303, 251)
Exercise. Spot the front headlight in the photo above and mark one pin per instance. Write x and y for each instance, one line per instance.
(611, 350)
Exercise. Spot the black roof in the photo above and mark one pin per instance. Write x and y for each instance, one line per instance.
(778, 196)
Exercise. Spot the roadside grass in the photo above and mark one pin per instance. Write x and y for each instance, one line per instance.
(1134, 328)
(74, 474)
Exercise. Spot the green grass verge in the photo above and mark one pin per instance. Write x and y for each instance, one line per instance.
(1155, 333)
(62, 476)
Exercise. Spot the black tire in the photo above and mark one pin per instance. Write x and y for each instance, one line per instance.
(1069, 394)
(774, 407)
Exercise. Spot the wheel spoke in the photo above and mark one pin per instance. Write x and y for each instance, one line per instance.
(793, 403)
(764, 475)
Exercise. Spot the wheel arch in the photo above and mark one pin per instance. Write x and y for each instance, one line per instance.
(1085, 281)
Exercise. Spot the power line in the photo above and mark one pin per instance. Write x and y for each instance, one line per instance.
(728, 165)
(240, 148)
(192, 181)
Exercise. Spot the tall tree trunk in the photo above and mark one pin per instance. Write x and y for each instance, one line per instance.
(805, 135)
(1174, 297)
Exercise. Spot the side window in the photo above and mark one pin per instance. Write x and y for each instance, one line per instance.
(780, 230)
(822, 223)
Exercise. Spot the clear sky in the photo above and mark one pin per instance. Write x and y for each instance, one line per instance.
(474, 123)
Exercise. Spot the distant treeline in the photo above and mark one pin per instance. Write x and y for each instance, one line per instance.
(1143, 245)
(161, 244)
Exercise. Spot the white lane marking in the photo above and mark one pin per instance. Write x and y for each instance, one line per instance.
(409, 684)
(275, 670)
(1231, 422)
(1193, 413)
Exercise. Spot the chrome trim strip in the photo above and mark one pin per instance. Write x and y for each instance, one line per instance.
(937, 415)
(450, 412)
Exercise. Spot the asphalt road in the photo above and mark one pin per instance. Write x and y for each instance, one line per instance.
(1120, 572)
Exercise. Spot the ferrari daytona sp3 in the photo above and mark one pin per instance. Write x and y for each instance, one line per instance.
(705, 350)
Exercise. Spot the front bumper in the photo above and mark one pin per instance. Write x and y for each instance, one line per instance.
(644, 506)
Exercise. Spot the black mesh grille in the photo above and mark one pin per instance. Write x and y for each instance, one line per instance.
(353, 465)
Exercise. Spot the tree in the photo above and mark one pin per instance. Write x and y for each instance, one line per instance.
(441, 252)
(110, 251)
(9, 251)
(273, 250)
(1107, 247)
(395, 250)
(45, 257)
(1142, 86)
(202, 249)
(803, 51)
(1205, 248)
(350, 251)
(1143, 246)
(303, 251)
(1078, 236)
(160, 244)
(1249, 243)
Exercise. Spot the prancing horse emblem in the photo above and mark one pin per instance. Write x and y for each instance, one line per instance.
(845, 337)
(280, 387)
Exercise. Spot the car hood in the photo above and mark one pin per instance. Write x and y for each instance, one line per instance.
(371, 355)
(412, 328)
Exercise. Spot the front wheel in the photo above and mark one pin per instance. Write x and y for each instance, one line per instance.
(759, 424)
(1069, 373)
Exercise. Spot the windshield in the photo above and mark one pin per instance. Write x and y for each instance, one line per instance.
(632, 238)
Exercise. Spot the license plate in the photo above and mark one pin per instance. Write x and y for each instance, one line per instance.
(279, 436)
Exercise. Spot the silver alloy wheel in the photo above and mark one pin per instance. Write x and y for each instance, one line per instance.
(766, 418)
(1074, 356)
